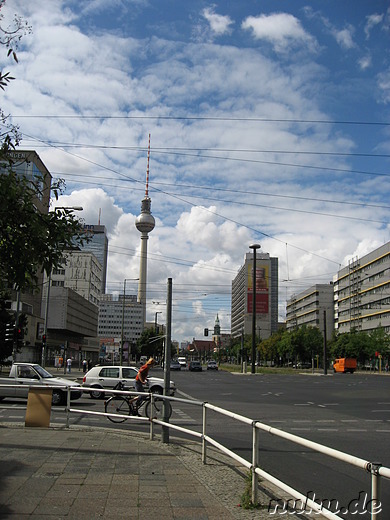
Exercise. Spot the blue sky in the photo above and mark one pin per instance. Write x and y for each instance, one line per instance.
(269, 122)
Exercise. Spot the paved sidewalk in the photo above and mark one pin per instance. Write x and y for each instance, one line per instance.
(58, 473)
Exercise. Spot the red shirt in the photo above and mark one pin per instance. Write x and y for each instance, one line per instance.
(144, 370)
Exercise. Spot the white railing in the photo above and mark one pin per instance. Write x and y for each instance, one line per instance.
(375, 469)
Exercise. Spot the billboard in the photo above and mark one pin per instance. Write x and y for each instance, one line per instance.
(262, 288)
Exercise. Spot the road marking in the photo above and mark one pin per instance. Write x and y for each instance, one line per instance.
(325, 420)
(356, 430)
(349, 420)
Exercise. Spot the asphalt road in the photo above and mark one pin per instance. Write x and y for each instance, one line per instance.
(350, 413)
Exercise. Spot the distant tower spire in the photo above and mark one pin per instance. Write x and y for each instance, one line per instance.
(145, 224)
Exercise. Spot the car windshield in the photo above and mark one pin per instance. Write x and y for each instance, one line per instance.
(42, 372)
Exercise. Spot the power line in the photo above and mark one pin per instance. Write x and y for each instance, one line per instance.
(205, 118)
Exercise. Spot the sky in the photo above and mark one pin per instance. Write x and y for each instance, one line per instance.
(269, 123)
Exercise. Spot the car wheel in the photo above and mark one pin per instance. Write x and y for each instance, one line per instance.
(97, 395)
(157, 390)
(58, 398)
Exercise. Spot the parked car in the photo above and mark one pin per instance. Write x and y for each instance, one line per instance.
(212, 365)
(175, 365)
(195, 366)
(302, 364)
(108, 376)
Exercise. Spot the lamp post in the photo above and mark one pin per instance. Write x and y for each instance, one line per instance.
(44, 335)
(254, 248)
(123, 318)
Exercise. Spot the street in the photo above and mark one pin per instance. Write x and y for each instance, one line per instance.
(347, 412)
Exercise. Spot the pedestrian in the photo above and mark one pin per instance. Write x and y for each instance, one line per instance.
(140, 381)
(69, 364)
(85, 364)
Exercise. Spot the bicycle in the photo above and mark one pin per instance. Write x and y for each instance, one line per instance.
(125, 405)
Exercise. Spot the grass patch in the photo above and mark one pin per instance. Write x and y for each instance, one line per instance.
(246, 497)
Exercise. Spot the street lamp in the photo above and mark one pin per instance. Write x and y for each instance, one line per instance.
(44, 335)
(123, 318)
(254, 248)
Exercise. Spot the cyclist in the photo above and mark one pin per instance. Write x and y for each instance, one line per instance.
(140, 380)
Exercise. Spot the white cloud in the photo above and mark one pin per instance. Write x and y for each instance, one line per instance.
(372, 21)
(365, 62)
(344, 37)
(219, 24)
(384, 86)
(282, 30)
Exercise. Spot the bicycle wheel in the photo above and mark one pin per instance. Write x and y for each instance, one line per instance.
(117, 405)
(157, 410)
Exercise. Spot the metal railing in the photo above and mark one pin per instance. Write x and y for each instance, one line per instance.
(375, 469)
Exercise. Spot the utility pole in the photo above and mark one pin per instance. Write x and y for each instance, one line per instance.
(167, 361)
(254, 248)
(325, 353)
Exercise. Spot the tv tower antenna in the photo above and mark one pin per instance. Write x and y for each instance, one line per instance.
(145, 224)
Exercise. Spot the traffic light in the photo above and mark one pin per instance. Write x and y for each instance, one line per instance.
(43, 340)
(9, 331)
(206, 332)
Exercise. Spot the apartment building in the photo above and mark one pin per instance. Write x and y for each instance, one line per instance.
(312, 307)
(362, 293)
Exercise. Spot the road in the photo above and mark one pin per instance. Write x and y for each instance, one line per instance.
(350, 413)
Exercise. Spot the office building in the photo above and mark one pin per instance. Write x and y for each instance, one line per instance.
(362, 293)
(119, 317)
(266, 297)
(312, 307)
(98, 245)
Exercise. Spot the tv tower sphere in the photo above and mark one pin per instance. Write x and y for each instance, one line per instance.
(145, 221)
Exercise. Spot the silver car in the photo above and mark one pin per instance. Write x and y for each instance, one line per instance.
(106, 377)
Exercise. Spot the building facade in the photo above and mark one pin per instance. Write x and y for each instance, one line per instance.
(119, 318)
(362, 293)
(266, 297)
(28, 164)
(312, 307)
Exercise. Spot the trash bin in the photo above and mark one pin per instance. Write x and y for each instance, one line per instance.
(39, 407)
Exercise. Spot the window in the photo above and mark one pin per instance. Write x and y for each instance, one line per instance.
(109, 372)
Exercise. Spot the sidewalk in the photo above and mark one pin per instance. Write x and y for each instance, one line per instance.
(56, 473)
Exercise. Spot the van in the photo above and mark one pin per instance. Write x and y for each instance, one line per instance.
(345, 365)
(182, 361)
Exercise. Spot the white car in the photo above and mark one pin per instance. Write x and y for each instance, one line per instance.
(108, 376)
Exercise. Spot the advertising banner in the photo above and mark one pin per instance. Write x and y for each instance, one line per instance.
(262, 289)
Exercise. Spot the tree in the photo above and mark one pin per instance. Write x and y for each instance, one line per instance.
(30, 240)
(149, 344)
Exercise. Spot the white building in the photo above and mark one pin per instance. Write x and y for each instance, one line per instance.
(81, 272)
(312, 307)
(362, 293)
